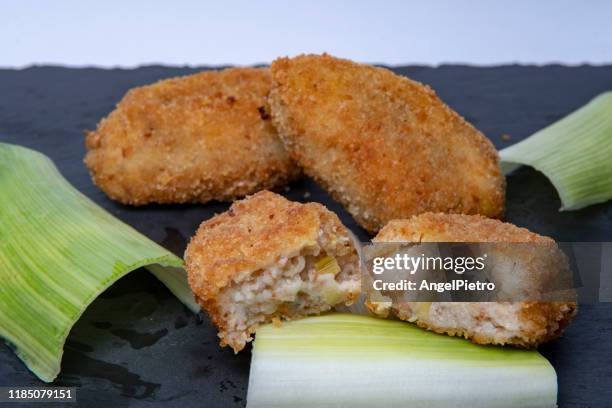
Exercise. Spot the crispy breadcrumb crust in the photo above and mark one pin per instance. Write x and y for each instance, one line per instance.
(546, 320)
(384, 146)
(438, 227)
(197, 138)
(253, 234)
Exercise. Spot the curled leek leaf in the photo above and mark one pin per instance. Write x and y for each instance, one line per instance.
(342, 360)
(575, 154)
(58, 252)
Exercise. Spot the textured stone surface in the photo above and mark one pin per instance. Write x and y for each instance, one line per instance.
(138, 346)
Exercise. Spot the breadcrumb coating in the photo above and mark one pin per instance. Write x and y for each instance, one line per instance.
(523, 324)
(384, 146)
(197, 138)
(438, 227)
(255, 263)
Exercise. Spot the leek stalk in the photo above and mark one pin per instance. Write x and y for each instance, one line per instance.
(575, 154)
(58, 252)
(343, 360)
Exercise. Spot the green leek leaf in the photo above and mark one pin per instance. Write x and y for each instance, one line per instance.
(343, 360)
(575, 154)
(58, 252)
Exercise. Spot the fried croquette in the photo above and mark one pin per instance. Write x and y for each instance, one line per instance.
(267, 259)
(523, 324)
(197, 138)
(384, 146)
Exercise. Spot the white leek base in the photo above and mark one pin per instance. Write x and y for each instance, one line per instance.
(341, 360)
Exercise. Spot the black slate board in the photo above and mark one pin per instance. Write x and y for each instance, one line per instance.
(138, 346)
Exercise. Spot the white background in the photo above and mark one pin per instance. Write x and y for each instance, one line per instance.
(130, 33)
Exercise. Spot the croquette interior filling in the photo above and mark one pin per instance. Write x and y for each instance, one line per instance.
(292, 287)
(502, 322)
(495, 320)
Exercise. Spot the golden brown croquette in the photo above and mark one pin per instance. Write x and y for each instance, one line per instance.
(197, 138)
(259, 261)
(524, 324)
(384, 146)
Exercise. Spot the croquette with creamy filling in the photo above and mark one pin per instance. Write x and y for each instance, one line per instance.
(524, 323)
(260, 262)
